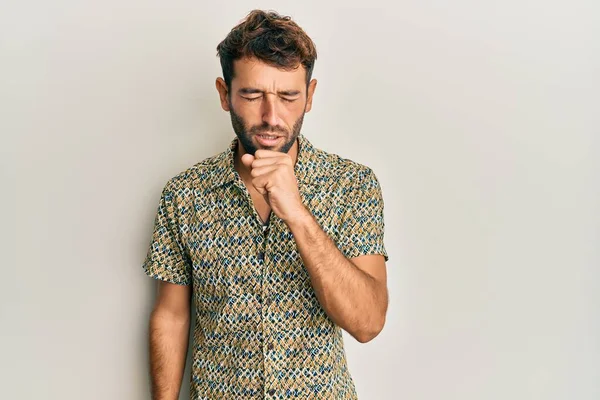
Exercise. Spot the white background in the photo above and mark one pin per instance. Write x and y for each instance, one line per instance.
(480, 118)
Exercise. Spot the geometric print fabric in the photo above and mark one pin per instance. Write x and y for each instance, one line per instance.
(260, 332)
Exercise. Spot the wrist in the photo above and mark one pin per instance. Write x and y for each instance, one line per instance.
(299, 218)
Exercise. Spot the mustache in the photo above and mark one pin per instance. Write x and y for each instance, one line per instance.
(266, 129)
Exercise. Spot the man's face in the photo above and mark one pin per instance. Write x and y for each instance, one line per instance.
(266, 104)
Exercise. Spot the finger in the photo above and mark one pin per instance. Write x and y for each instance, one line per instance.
(263, 153)
(259, 185)
(263, 162)
(263, 183)
(261, 190)
(256, 172)
(247, 160)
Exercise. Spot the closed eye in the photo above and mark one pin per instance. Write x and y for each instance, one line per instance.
(257, 98)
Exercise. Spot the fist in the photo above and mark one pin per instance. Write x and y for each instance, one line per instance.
(273, 176)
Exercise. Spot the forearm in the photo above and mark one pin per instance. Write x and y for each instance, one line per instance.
(353, 299)
(168, 348)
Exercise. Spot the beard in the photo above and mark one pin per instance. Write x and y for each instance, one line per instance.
(245, 133)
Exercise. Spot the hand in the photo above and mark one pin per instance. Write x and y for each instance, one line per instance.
(273, 177)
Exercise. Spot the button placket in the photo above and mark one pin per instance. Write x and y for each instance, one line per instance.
(266, 302)
(262, 260)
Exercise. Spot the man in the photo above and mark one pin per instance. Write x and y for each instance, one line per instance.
(278, 244)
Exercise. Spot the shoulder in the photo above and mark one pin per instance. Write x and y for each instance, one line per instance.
(345, 171)
(195, 178)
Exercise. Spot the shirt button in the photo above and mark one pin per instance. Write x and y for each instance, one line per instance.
(270, 346)
(268, 301)
(261, 256)
(271, 392)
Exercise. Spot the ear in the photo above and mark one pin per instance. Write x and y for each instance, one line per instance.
(309, 96)
(223, 92)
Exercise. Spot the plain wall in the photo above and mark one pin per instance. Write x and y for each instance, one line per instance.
(481, 120)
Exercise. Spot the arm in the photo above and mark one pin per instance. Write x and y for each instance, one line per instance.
(349, 282)
(353, 292)
(169, 334)
(168, 263)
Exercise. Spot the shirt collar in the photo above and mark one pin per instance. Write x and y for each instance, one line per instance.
(224, 172)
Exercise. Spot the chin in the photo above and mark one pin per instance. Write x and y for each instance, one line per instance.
(272, 148)
(279, 147)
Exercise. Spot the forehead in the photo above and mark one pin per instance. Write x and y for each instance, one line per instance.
(250, 72)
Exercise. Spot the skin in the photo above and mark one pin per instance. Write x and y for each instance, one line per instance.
(265, 99)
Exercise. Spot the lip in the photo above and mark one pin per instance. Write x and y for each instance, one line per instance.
(268, 142)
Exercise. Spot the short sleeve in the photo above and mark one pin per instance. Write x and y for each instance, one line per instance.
(362, 226)
(166, 259)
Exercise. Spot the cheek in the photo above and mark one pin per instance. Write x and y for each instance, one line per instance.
(249, 112)
(293, 113)
(295, 108)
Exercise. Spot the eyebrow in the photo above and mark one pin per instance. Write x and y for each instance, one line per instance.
(250, 90)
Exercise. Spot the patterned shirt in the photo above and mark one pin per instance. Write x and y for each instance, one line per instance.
(260, 331)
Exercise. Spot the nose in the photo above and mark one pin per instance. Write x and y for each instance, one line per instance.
(269, 111)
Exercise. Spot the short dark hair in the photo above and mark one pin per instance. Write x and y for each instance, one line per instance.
(270, 37)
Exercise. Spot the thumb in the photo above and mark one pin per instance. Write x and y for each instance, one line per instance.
(247, 160)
